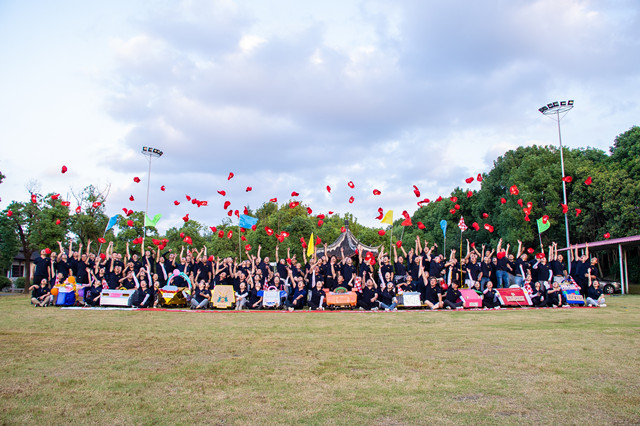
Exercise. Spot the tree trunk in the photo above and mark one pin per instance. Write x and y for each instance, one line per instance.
(27, 272)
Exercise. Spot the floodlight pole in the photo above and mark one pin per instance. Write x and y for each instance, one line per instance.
(553, 111)
(151, 153)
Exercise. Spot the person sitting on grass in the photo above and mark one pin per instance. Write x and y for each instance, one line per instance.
(317, 297)
(453, 297)
(40, 294)
(241, 296)
(555, 298)
(201, 298)
(538, 298)
(369, 298)
(255, 296)
(299, 298)
(594, 294)
(143, 296)
(388, 297)
(92, 294)
(433, 294)
(490, 297)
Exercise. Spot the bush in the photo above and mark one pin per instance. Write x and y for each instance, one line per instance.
(20, 282)
(5, 282)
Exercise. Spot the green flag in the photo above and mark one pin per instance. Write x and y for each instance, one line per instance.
(542, 226)
(152, 222)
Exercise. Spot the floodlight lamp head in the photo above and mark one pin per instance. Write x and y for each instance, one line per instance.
(151, 152)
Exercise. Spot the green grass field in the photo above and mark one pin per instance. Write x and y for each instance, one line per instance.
(547, 366)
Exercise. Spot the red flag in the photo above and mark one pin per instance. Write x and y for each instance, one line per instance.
(463, 227)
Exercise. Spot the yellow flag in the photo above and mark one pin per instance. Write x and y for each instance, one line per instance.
(388, 218)
(310, 246)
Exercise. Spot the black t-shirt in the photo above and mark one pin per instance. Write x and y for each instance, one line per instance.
(113, 280)
(42, 267)
(486, 269)
(557, 267)
(521, 264)
(452, 295)
(200, 295)
(348, 271)
(435, 269)
(81, 273)
(473, 271)
(62, 267)
(431, 293)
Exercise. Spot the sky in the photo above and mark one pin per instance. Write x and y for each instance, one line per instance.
(295, 96)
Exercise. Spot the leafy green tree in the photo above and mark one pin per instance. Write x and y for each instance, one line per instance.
(36, 225)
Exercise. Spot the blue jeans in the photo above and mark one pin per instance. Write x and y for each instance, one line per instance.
(389, 307)
(503, 279)
(483, 282)
(519, 281)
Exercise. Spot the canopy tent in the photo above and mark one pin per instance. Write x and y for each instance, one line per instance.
(348, 243)
(616, 243)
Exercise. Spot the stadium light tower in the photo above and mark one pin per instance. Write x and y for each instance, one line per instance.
(556, 111)
(151, 153)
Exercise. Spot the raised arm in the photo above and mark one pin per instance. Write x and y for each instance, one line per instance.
(519, 248)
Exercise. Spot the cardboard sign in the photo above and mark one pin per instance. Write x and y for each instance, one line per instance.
(409, 299)
(470, 298)
(573, 297)
(115, 297)
(342, 299)
(223, 296)
(513, 297)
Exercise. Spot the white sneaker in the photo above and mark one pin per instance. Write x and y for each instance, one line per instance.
(374, 309)
(603, 305)
(497, 307)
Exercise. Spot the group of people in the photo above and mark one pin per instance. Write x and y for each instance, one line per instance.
(377, 279)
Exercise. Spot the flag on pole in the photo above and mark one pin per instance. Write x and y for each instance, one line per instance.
(311, 245)
(542, 225)
(247, 221)
(462, 225)
(152, 222)
(111, 223)
(443, 225)
(388, 218)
